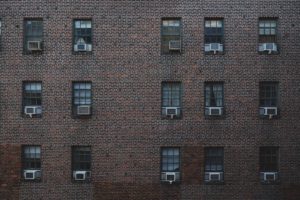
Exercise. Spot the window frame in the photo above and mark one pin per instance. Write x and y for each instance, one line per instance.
(173, 163)
(74, 35)
(263, 156)
(180, 100)
(74, 106)
(24, 84)
(74, 162)
(211, 84)
(164, 37)
(264, 84)
(26, 36)
(36, 161)
(263, 38)
(215, 162)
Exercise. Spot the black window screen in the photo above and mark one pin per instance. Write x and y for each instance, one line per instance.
(214, 159)
(31, 157)
(81, 157)
(268, 93)
(268, 159)
(170, 159)
(213, 31)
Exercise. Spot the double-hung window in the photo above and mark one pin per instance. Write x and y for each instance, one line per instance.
(82, 39)
(171, 36)
(31, 162)
(171, 99)
(170, 164)
(82, 98)
(268, 36)
(32, 99)
(33, 36)
(214, 164)
(81, 163)
(268, 98)
(268, 162)
(214, 36)
(214, 98)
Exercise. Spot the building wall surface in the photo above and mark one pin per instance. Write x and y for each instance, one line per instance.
(126, 69)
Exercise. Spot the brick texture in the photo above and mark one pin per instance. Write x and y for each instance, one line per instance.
(126, 69)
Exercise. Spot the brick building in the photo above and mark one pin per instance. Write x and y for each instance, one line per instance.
(149, 99)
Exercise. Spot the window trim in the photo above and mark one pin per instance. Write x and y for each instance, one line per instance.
(23, 146)
(73, 35)
(25, 50)
(180, 35)
(223, 165)
(276, 19)
(23, 98)
(73, 147)
(222, 35)
(274, 83)
(161, 158)
(73, 107)
(180, 99)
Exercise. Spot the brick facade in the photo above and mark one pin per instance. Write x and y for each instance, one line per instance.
(126, 130)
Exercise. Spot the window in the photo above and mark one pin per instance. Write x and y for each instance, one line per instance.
(268, 162)
(32, 99)
(170, 164)
(268, 94)
(214, 102)
(33, 41)
(268, 35)
(82, 39)
(214, 39)
(31, 162)
(81, 162)
(214, 167)
(82, 98)
(171, 99)
(171, 39)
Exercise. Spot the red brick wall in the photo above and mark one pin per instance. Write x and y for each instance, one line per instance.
(126, 69)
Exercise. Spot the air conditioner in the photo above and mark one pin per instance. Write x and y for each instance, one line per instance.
(214, 47)
(269, 176)
(170, 177)
(32, 174)
(213, 176)
(270, 47)
(214, 110)
(172, 111)
(34, 46)
(84, 110)
(175, 45)
(268, 111)
(81, 175)
(82, 47)
(32, 110)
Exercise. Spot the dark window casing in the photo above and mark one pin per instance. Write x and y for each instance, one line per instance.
(81, 158)
(82, 96)
(214, 31)
(32, 96)
(268, 159)
(82, 35)
(268, 94)
(171, 36)
(214, 165)
(170, 159)
(171, 98)
(33, 35)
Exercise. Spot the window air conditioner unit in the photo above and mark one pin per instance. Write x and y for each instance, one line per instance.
(80, 47)
(34, 45)
(84, 110)
(214, 176)
(175, 45)
(32, 110)
(270, 111)
(172, 111)
(81, 175)
(214, 110)
(214, 47)
(270, 47)
(269, 176)
(170, 177)
(32, 174)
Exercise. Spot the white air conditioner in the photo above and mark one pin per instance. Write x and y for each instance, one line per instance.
(32, 110)
(269, 176)
(175, 45)
(81, 175)
(172, 111)
(82, 47)
(269, 47)
(215, 47)
(34, 46)
(32, 174)
(214, 111)
(268, 111)
(213, 176)
(170, 177)
(84, 110)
